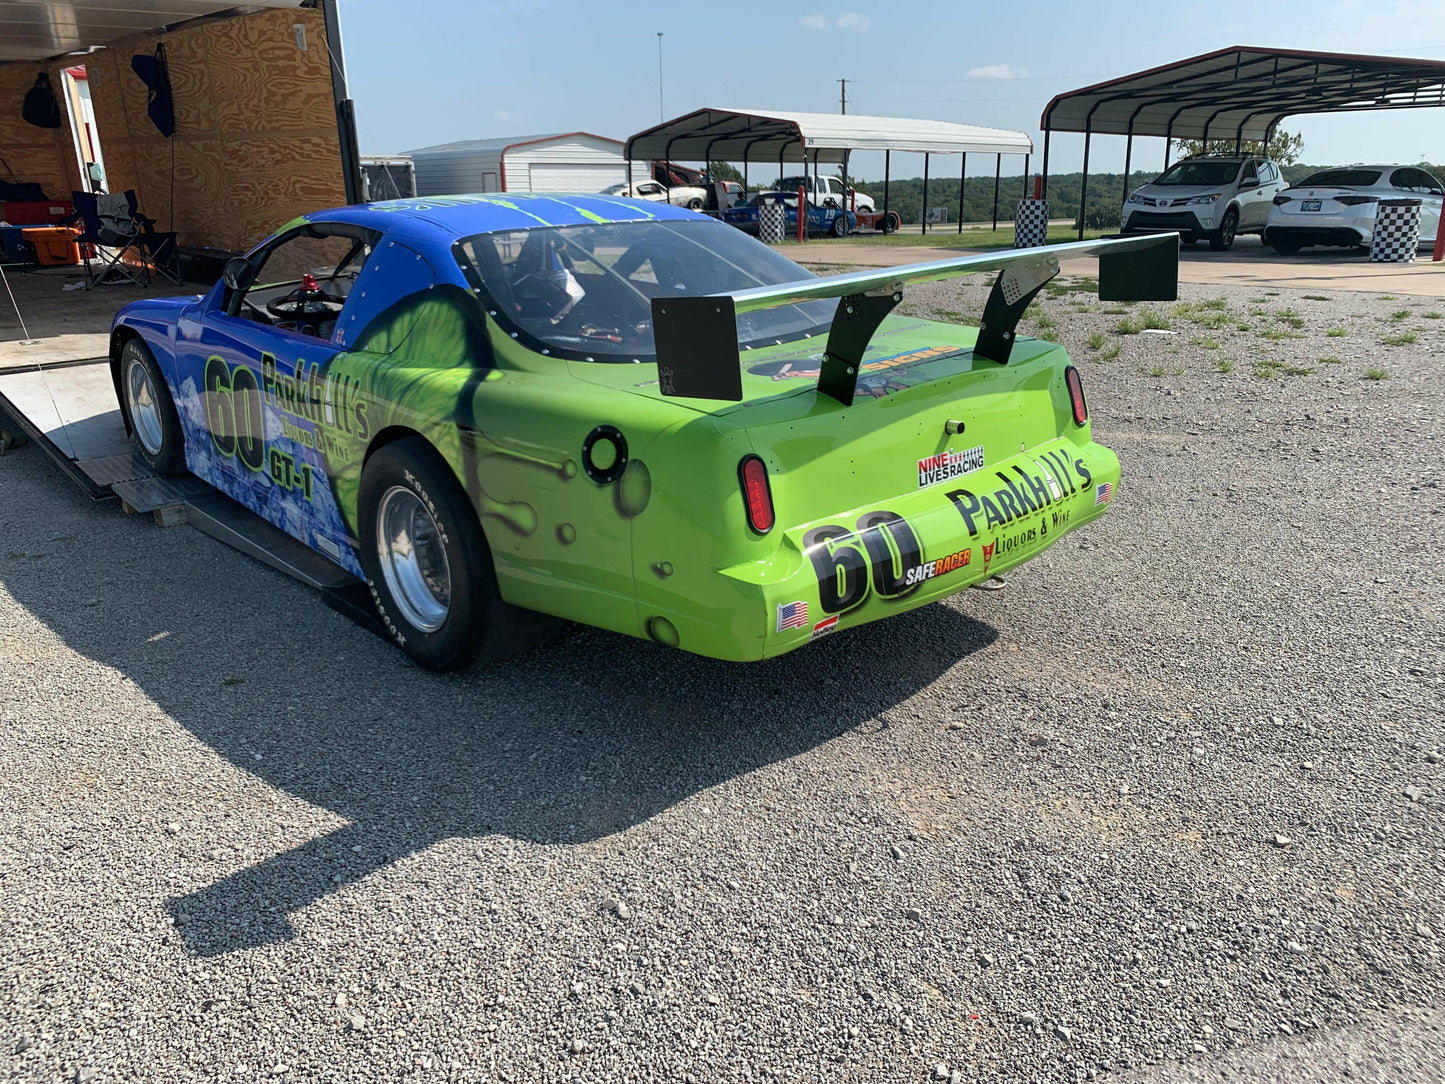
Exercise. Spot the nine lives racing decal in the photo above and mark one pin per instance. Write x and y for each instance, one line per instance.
(946, 466)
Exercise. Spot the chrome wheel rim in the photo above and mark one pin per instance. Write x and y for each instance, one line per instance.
(413, 559)
(145, 410)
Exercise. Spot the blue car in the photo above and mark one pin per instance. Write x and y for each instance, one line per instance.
(820, 220)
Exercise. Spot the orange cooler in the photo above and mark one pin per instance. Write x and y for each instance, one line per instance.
(54, 245)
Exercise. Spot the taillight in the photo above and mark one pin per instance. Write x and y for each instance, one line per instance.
(1352, 201)
(1076, 395)
(757, 494)
(1281, 199)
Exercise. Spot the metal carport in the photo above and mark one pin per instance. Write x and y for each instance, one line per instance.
(1241, 92)
(745, 135)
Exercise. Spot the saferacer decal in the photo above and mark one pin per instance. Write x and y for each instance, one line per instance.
(945, 466)
(954, 561)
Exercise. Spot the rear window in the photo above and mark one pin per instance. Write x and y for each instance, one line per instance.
(586, 292)
(1341, 178)
(1201, 172)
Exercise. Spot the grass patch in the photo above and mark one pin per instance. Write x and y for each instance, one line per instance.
(1045, 322)
(1314, 297)
(1214, 303)
(1128, 327)
(1073, 286)
(1337, 333)
(1402, 339)
(1398, 315)
(1224, 365)
(1115, 310)
(1111, 353)
(1097, 339)
(1388, 297)
(1207, 344)
(1155, 370)
(1290, 317)
(1376, 374)
(1295, 370)
(1329, 359)
(1431, 315)
(1242, 326)
(1266, 370)
(1156, 321)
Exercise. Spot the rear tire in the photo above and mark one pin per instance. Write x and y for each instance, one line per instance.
(839, 227)
(1285, 246)
(890, 223)
(694, 204)
(428, 564)
(150, 410)
(1222, 239)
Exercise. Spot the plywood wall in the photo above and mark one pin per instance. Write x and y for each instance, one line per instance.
(45, 156)
(255, 141)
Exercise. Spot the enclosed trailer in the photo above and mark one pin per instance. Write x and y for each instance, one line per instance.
(566, 162)
(387, 177)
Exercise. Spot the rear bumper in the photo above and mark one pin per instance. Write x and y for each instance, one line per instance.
(841, 571)
(1318, 234)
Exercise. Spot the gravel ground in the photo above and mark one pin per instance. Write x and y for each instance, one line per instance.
(1169, 808)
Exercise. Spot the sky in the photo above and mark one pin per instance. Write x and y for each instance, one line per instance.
(443, 70)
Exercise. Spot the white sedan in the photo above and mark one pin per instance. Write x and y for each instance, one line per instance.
(679, 195)
(1338, 206)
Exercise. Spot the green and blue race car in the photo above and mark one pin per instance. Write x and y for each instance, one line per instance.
(620, 413)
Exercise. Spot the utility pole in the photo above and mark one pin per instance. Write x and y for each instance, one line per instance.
(661, 112)
(843, 96)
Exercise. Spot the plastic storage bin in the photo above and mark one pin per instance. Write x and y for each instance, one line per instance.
(13, 246)
(54, 245)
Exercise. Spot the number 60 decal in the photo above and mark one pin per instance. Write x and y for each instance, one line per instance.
(882, 548)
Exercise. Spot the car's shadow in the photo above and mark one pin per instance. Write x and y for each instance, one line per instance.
(576, 740)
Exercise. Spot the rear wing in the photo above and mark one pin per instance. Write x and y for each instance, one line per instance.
(697, 337)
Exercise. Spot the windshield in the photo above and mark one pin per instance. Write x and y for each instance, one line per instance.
(1200, 172)
(585, 292)
(792, 184)
(1341, 178)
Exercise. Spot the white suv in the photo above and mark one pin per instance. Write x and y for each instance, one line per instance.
(1217, 198)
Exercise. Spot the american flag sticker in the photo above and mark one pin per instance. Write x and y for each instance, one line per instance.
(825, 626)
(792, 615)
(1102, 492)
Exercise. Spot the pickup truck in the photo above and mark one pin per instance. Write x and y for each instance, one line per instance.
(822, 189)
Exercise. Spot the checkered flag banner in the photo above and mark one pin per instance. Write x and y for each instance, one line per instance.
(772, 223)
(1031, 223)
(1397, 231)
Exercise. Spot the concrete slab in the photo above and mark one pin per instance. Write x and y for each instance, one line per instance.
(1247, 264)
(69, 325)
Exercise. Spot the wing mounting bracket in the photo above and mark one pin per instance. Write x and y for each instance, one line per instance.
(856, 320)
(1012, 291)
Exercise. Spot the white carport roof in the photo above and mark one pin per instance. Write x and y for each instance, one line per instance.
(37, 31)
(735, 135)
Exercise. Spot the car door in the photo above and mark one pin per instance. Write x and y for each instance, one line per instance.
(259, 412)
(1412, 183)
(1252, 200)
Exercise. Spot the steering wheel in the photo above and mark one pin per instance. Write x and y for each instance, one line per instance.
(303, 304)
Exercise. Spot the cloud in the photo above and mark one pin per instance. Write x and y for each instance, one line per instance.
(849, 20)
(506, 114)
(998, 71)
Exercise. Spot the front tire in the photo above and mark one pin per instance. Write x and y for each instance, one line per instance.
(694, 204)
(426, 560)
(839, 227)
(1222, 239)
(152, 413)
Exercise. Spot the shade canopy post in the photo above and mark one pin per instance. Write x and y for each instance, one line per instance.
(997, 173)
(887, 155)
(1084, 185)
(923, 218)
(962, 172)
